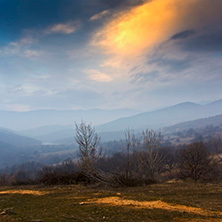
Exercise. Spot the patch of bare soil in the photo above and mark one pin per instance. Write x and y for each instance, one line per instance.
(31, 192)
(118, 201)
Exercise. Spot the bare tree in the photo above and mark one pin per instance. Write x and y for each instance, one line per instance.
(130, 144)
(151, 158)
(88, 141)
(195, 161)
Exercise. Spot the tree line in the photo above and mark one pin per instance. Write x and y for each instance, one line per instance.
(144, 161)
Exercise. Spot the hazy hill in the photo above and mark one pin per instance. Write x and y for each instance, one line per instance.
(152, 120)
(33, 119)
(58, 136)
(199, 123)
(7, 155)
(60, 133)
(7, 137)
(15, 149)
(164, 117)
(214, 105)
(45, 131)
(67, 136)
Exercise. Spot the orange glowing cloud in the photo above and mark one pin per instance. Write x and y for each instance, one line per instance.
(146, 26)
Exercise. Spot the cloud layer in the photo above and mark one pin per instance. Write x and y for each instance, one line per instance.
(109, 54)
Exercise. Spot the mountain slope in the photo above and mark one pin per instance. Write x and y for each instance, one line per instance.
(164, 117)
(197, 124)
(16, 140)
(153, 120)
(41, 132)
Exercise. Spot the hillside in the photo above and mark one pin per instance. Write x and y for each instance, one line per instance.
(15, 148)
(114, 130)
(164, 117)
(16, 140)
(197, 124)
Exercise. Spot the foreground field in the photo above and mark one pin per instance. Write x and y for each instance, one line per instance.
(159, 202)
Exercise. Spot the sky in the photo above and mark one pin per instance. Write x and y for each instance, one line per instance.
(109, 54)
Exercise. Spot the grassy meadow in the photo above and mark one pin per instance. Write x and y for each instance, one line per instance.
(158, 202)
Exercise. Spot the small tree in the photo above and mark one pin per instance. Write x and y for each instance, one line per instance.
(151, 158)
(195, 161)
(88, 141)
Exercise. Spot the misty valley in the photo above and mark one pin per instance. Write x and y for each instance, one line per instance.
(34, 141)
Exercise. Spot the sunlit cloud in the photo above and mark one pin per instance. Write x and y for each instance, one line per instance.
(26, 41)
(98, 76)
(141, 29)
(63, 28)
(99, 15)
(15, 47)
(134, 52)
(22, 48)
(138, 39)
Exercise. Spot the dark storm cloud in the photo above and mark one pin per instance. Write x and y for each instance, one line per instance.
(211, 42)
(205, 39)
(183, 35)
(172, 65)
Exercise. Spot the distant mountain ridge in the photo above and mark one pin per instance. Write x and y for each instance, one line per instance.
(197, 124)
(164, 117)
(157, 119)
(153, 120)
(32, 119)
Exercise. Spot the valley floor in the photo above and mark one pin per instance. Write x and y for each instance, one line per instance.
(159, 202)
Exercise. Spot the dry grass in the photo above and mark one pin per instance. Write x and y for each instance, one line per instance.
(171, 202)
(117, 201)
(31, 192)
